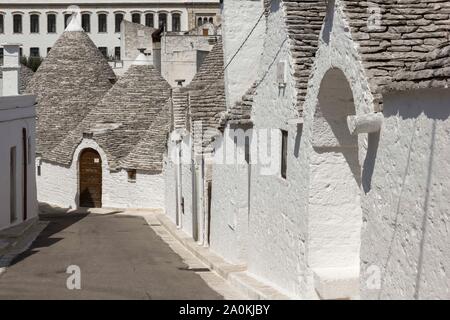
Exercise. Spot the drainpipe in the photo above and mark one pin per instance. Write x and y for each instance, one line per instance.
(11, 69)
(177, 139)
(199, 198)
(179, 188)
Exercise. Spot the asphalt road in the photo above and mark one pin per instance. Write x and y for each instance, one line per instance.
(119, 256)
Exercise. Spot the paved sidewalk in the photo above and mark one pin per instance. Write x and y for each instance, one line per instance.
(120, 257)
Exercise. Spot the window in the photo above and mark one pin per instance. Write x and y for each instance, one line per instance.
(86, 22)
(136, 18)
(131, 175)
(163, 20)
(34, 52)
(119, 19)
(17, 23)
(176, 22)
(48, 50)
(284, 145)
(67, 18)
(2, 23)
(150, 20)
(51, 23)
(1, 56)
(102, 23)
(39, 170)
(211, 20)
(199, 22)
(117, 53)
(34, 23)
(104, 51)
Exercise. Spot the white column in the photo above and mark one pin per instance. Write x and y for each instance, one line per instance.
(11, 69)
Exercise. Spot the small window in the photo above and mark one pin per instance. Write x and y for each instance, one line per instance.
(17, 23)
(51, 23)
(163, 21)
(67, 18)
(1, 56)
(199, 22)
(117, 53)
(34, 23)
(86, 22)
(48, 50)
(102, 23)
(2, 23)
(176, 22)
(34, 53)
(104, 51)
(136, 18)
(149, 20)
(39, 170)
(211, 20)
(284, 147)
(131, 175)
(118, 21)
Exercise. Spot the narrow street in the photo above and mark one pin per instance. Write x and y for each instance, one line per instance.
(120, 257)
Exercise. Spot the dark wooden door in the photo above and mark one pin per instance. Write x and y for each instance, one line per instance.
(90, 179)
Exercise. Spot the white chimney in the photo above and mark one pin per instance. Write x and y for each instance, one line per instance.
(11, 69)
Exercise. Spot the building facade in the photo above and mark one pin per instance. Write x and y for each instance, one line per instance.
(18, 202)
(37, 24)
(337, 187)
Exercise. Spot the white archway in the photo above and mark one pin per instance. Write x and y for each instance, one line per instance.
(335, 213)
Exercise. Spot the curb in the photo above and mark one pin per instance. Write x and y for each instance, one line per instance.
(236, 275)
(22, 241)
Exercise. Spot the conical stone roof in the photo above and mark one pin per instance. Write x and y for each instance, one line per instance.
(69, 83)
(122, 118)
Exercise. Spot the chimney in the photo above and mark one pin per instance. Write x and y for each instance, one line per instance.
(11, 69)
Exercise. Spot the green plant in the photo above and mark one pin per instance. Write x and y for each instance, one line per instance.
(31, 62)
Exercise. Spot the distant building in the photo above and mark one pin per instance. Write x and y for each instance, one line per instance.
(177, 55)
(100, 142)
(39, 23)
(18, 201)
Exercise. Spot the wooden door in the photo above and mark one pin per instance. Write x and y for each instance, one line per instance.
(90, 179)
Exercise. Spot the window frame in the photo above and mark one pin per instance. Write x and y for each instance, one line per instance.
(284, 152)
(178, 16)
(149, 14)
(2, 22)
(99, 25)
(38, 52)
(83, 16)
(33, 23)
(116, 23)
(14, 16)
(134, 14)
(163, 13)
(51, 14)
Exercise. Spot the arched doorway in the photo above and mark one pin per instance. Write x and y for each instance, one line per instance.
(335, 213)
(90, 179)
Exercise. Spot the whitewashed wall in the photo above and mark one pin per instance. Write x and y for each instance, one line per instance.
(407, 223)
(58, 185)
(230, 207)
(16, 113)
(239, 17)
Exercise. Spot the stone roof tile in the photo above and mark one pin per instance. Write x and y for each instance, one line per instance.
(69, 83)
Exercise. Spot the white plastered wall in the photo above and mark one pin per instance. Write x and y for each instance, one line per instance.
(58, 185)
(405, 241)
